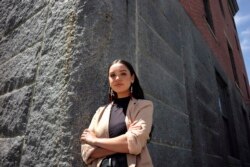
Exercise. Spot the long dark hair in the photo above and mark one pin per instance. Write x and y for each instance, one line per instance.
(137, 90)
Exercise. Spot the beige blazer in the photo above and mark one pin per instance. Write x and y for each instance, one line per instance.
(138, 121)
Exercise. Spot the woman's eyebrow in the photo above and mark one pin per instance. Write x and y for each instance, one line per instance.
(123, 70)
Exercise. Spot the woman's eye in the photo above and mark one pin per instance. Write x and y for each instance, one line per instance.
(112, 75)
(124, 74)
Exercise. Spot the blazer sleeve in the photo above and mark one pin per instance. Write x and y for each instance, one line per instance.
(86, 149)
(138, 132)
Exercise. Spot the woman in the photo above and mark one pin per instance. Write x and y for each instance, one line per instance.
(118, 132)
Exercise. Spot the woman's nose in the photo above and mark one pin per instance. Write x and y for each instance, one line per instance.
(117, 77)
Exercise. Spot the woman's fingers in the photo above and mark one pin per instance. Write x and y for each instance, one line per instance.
(87, 136)
(86, 130)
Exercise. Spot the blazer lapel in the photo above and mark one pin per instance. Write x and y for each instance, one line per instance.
(102, 129)
(106, 117)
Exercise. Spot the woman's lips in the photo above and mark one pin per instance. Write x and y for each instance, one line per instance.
(118, 85)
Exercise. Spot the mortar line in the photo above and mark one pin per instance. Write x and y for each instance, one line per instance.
(157, 34)
(15, 90)
(171, 107)
(171, 146)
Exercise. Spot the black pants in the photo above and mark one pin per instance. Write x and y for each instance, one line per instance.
(116, 160)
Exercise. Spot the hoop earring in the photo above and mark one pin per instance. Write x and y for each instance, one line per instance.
(131, 90)
(111, 92)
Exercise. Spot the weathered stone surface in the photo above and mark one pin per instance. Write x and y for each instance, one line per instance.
(167, 131)
(173, 94)
(211, 160)
(23, 70)
(203, 93)
(170, 9)
(211, 141)
(165, 155)
(209, 118)
(160, 24)
(11, 150)
(26, 35)
(48, 136)
(14, 108)
(153, 46)
(88, 88)
(15, 12)
(205, 75)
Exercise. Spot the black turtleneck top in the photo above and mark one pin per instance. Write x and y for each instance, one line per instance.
(117, 125)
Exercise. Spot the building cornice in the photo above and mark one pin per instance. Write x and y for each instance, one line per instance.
(233, 6)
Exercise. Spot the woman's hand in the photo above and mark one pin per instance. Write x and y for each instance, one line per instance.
(117, 144)
(88, 137)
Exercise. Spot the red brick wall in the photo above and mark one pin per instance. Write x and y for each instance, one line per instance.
(224, 31)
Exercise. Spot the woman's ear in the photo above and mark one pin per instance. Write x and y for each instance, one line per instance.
(132, 78)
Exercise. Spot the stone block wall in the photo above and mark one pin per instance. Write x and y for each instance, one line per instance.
(54, 57)
(36, 41)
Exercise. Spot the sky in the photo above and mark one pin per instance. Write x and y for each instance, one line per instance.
(242, 20)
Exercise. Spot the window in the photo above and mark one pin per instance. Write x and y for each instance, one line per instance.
(230, 51)
(208, 14)
(247, 128)
(227, 135)
(222, 100)
(246, 85)
(226, 112)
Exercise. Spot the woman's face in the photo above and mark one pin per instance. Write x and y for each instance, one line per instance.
(120, 79)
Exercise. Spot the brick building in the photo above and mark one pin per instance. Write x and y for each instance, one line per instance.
(215, 21)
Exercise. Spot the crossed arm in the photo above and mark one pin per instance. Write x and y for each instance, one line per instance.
(105, 146)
